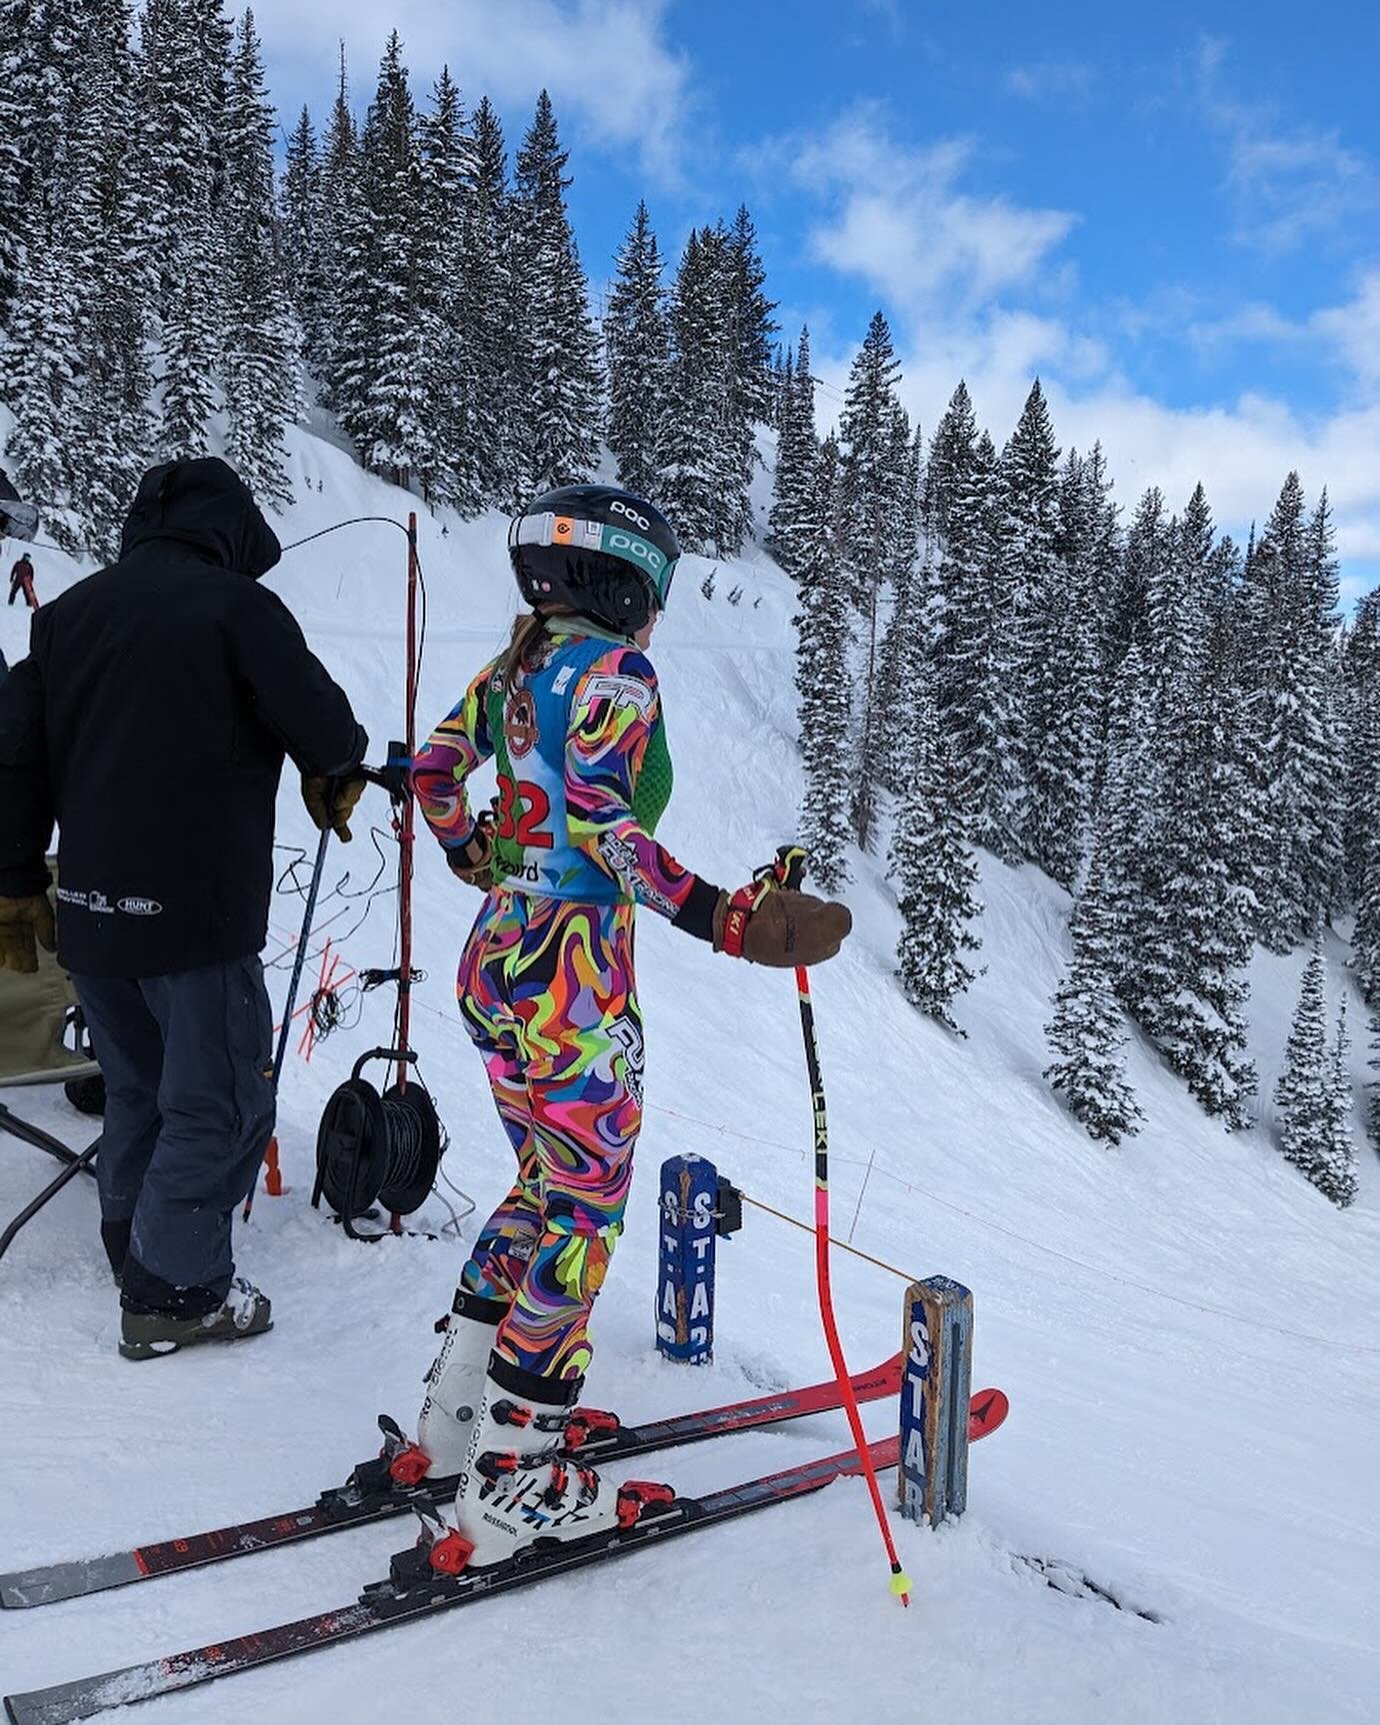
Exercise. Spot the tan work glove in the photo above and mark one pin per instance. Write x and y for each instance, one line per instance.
(22, 922)
(331, 802)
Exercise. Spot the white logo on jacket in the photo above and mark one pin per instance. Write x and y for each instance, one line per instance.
(622, 691)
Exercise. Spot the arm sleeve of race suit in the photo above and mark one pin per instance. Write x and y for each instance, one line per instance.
(613, 715)
(26, 798)
(452, 752)
(291, 690)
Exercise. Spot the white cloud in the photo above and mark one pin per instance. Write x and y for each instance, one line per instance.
(607, 63)
(1287, 183)
(1049, 80)
(1354, 331)
(979, 291)
(900, 219)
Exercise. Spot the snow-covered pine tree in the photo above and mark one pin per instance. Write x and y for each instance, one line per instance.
(1302, 745)
(41, 358)
(1373, 1088)
(300, 229)
(1146, 550)
(1065, 695)
(1126, 812)
(73, 345)
(117, 425)
(1362, 829)
(735, 442)
(637, 355)
(1315, 1130)
(43, 41)
(184, 77)
(556, 347)
(697, 465)
(973, 693)
(1361, 672)
(260, 359)
(1030, 602)
(754, 328)
(391, 419)
(486, 292)
(1338, 1178)
(1200, 930)
(821, 677)
(935, 872)
(1085, 1034)
(449, 473)
(865, 432)
(903, 641)
(338, 341)
(797, 458)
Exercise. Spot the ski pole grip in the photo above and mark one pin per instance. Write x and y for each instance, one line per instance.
(792, 861)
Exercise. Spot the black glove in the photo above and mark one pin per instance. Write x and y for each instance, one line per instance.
(473, 860)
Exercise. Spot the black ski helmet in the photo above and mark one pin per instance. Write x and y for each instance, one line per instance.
(597, 549)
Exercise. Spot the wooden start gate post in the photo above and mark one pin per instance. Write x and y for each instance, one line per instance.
(935, 1386)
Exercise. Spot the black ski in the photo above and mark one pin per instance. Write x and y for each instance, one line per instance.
(401, 1601)
(370, 1495)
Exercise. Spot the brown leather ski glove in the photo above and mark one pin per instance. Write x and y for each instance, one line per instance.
(22, 922)
(772, 925)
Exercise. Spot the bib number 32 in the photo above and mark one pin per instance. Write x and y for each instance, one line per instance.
(522, 808)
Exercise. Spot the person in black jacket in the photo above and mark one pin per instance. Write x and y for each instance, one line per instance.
(150, 720)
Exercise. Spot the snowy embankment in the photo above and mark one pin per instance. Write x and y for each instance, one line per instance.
(1186, 1329)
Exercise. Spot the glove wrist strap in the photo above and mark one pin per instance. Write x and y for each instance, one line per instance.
(741, 905)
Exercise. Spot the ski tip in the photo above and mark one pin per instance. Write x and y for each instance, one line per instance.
(986, 1411)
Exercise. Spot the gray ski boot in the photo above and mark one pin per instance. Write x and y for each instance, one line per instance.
(246, 1312)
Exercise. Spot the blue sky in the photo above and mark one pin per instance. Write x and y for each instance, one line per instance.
(1172, 216)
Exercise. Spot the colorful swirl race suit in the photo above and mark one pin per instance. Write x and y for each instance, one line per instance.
(571, 716)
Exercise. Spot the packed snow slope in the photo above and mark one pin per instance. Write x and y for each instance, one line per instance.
(1186, 1329)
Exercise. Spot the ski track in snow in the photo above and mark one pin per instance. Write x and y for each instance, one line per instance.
(1217, 1473)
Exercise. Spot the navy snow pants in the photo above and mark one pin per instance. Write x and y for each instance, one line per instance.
(187, 1060)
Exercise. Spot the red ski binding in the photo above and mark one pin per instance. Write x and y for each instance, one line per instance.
(409, 1466)
(635, 1495)
(585, 1424)
(449, 1554)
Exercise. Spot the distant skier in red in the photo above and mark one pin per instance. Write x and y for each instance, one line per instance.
(22, 581)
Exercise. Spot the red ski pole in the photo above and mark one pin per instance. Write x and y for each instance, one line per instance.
(789, 871)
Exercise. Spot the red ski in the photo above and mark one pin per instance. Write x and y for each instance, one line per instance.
(370, 1495)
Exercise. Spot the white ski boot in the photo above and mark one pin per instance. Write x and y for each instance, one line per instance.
(518, 1486)
(454, 1390)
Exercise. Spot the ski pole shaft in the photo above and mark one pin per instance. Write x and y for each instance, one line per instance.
(900, 1581)
(280, 1053)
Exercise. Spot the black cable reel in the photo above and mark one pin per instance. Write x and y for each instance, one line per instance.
(374, 1149)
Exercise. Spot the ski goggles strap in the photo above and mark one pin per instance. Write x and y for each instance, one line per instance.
(572, 533)
(788, 871)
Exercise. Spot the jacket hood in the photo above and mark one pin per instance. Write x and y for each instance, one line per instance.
(206, 505)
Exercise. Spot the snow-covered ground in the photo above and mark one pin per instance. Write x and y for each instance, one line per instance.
(1186, 1329)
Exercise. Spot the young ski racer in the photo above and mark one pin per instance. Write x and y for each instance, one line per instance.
(571, 715)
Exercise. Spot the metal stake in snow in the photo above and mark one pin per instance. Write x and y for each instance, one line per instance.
(789, 871)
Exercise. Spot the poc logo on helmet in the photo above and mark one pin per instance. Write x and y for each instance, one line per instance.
(618, 507)
(638, 549)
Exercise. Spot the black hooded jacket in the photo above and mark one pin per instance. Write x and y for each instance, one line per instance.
(150, 720)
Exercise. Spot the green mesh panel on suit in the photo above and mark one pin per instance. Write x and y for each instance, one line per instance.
(507, 852)
(653, 790)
